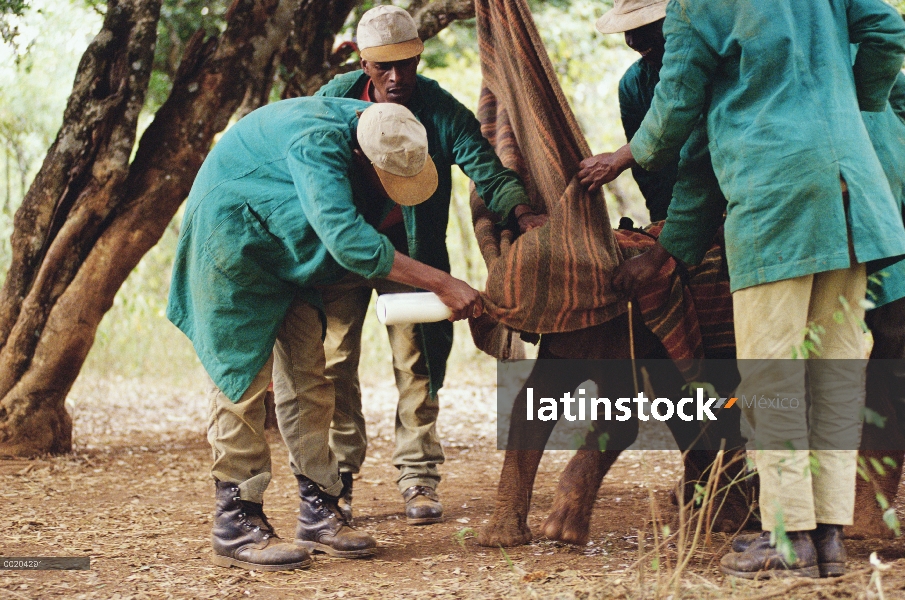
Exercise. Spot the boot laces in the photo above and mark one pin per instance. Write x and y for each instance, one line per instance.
(254, 519)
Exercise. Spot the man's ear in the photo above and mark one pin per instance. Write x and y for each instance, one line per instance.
(364, 65)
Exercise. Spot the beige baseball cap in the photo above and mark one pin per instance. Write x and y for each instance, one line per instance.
(396, 144)
(388, 33)
(631, 14)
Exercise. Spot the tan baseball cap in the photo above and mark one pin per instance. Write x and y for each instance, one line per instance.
(631, 14)
(387, 33)
(396, 144)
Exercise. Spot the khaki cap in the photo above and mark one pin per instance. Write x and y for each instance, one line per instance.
(388, 33)
(631, 14)
(396, 144)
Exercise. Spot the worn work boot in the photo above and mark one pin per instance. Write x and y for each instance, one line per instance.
(243, 538)
(345, 498)
(761, 560)
(422, 505)
(741, 542)
(828, 541)
(323, 528)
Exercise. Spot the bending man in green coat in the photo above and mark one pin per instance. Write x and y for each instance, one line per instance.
(390, 51)
(285, 202)
(808, 206)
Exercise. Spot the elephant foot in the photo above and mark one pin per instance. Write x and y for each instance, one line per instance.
(730, 510)
(872, 528)
(570, 521)
(734, 514)
(505, 530)
(868, 517)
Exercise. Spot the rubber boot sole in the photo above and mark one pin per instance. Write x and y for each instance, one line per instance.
(329, 550)
(811, 572)
(226, 561)
(831, 569)
(423, 520)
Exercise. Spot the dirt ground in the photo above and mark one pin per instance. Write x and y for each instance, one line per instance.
(136, 497)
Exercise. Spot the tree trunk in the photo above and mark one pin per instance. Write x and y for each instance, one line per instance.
(63, 213)
(90, 215)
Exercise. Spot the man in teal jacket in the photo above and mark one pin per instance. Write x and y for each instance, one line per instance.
(390, 51)
(285, 202)
(642, 23)
(782, 101)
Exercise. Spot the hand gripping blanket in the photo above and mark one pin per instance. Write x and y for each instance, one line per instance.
(557, 278)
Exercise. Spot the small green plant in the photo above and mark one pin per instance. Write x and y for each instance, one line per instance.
(463, 534)
(813, 465)
(872, 417)
(812, 341)
(508, 560)
(780, 539)
(602, 441)
(871, 464)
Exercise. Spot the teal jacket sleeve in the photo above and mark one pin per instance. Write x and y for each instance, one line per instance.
(681, 95)
(897, 96)
(319, 164)
(342, 86)
(696, 211)
(499, 187)
(880, 32)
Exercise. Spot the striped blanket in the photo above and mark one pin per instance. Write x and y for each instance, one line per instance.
(557, 278)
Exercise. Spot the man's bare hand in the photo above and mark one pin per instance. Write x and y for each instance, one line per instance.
(463, 300)
(604, 168)
(633, 274)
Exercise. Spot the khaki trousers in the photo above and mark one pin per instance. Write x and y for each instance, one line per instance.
(304, 407)
(802, 487)
(418, 450)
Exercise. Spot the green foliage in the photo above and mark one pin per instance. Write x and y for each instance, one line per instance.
(508, 560)
(36, 77)
(179, 20)
(9, 11)
(812, 342)
(872, 417)
(781, 540)
(463, 534)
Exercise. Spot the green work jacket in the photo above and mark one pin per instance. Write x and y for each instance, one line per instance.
(887, 132)
(782, 102)
(454, 138)
(636, 92)
(275, 210)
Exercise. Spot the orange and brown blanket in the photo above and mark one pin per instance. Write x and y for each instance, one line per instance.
(557, 278)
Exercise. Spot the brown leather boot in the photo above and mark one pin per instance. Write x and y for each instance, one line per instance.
(741, 542)
(345, 498)
(828, 541)
(762, 560)
(323, 528)
(831, 555)
(242, 537)
(422, 505)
